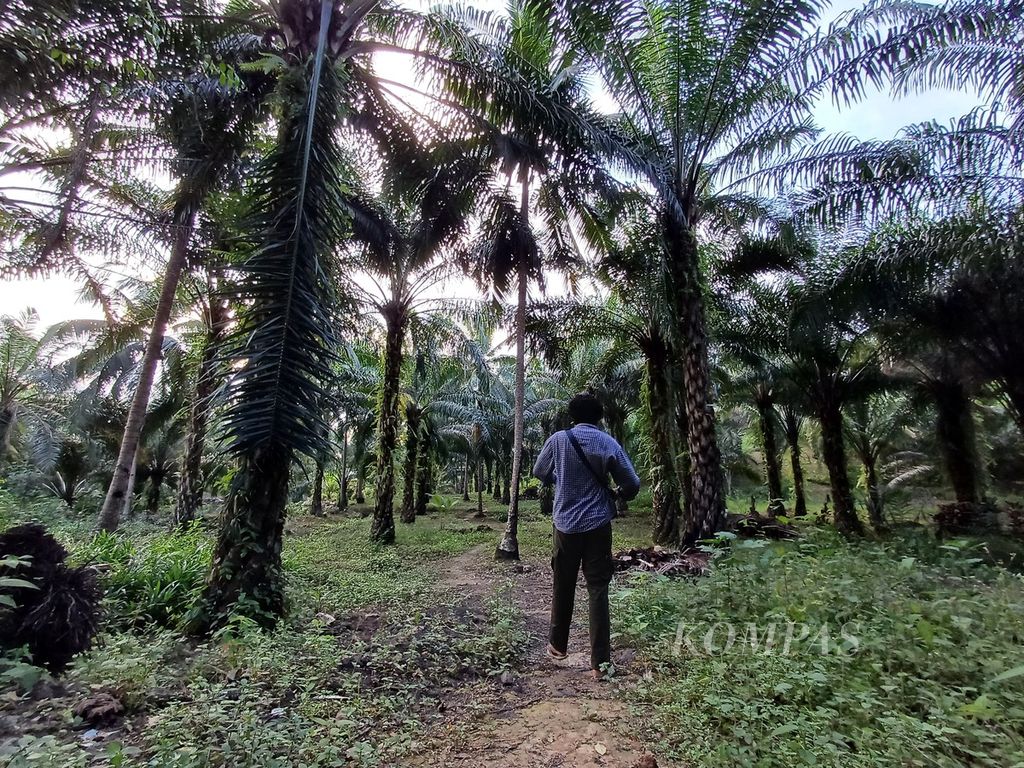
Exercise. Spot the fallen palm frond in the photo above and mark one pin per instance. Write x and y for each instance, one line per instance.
(661, 561)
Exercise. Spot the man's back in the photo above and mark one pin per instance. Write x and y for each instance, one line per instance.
(582, 503)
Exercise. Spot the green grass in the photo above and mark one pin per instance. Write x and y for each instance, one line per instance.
(921, 686)
(334, 567)
(357, 671)
(351, 677)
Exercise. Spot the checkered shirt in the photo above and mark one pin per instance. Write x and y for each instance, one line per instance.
(581, 503)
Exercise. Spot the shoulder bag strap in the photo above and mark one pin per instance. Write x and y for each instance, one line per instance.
(586, 462)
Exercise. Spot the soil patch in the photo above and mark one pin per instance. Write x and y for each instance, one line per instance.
(551, 713)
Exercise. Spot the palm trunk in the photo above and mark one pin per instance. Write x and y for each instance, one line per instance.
(957, 439)
(361, 482)
(128, 504)
(664, 489)
(479, 488)
(793, 438)
(424, 476)
(316, 503)
(343, 480)
(706, 511)
(190, 491)
(499, 472)
(383, 527)
(766, 418)
(834, 455)
(247, 576)
(412, 419)
(875, 510)
(465, 480)
(247, 556)
(120, 484)
(7, 416)
(156, 481)
(677, 437)
(508, 547)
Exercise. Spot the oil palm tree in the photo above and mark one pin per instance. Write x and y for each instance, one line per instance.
(815, 337)
(435, 399)
(39, 380)
(708, 90)
(942, 293)
(24, 366)
(716, 99)
(548, 158)
(358, 387)
(961, 275)
(284, 340)
(215, 320)
(754, 384)
(211, 126)
(320, 55)
(941, 376)
(83, 70)
(101, 66)
(959, 44)
(404, 264)
(792, 420)
(874, 427)
(636, 320)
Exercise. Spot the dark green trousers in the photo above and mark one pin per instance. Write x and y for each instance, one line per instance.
(592, 550)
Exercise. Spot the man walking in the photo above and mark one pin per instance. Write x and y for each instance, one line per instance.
(578, 461)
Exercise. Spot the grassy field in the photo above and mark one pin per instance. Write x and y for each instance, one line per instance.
(922, 664)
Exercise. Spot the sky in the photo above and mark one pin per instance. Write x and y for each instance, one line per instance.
(877, 116)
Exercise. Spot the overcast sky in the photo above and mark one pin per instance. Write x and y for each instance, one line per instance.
(876, 117)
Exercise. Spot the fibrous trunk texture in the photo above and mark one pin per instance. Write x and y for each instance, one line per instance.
(190, 486)
(875, 510)
(424, 478)
(361, 483)
(156, 481)
(343, 479)
(7, 417)
(316, 502)
(508, 547)
(834, 455)
(383, 527)
(247, 556)
(793, 439)
(664, 488)
(766, 419)
(706, 510)
(957, 439)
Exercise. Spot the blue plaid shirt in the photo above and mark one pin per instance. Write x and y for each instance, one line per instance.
(581, 503)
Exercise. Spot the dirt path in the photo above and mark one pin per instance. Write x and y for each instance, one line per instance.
(553, 713)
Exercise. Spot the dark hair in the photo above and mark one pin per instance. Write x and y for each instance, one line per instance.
(584, 408)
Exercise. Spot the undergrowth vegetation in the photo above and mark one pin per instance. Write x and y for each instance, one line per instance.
(820, 652)
(362, 665)
(154, 582)
(901, 651)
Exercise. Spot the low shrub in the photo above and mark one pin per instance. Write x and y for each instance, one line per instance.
(154, 583)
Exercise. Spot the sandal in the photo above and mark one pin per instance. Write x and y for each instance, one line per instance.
(554, 654)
